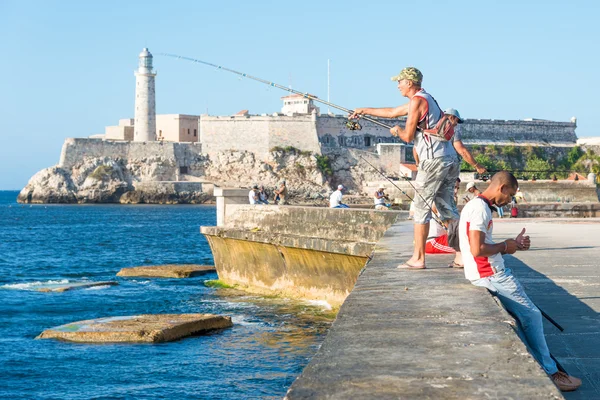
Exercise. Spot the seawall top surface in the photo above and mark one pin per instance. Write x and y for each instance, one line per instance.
(426, 334)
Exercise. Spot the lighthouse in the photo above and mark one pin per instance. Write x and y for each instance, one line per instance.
(145, 103)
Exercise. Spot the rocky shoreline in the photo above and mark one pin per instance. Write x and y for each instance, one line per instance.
(160, 176)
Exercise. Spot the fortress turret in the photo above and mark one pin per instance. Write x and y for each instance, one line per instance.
(145, 103)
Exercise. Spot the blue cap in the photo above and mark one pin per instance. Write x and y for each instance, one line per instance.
(453, 111)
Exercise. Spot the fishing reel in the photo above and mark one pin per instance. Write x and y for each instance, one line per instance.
(353, 125)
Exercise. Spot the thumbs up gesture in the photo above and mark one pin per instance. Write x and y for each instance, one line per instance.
(523, 241)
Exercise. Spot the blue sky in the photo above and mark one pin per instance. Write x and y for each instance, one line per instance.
(67, 67)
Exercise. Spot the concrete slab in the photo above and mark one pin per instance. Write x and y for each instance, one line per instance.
(426, 334)
(561, 274)
(64, 287)
(150, 328)
(167, 271)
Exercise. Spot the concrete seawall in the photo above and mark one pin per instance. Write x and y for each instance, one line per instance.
(299, 252)
(426, 334)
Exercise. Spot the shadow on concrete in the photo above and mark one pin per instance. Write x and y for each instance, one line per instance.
(578, 347)
(562, 248)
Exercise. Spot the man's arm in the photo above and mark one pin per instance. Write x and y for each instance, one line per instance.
(481, 249)
(416, 108)
(378, 196)
(387, 112)
(466, 154)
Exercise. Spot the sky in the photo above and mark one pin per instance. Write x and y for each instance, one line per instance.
(66, 67)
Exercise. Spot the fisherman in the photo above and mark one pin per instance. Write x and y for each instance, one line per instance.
(253, 194)
(281, 193)
(471, 192)
(335, 200)
(263, 196)
(437, 161)
(380, 197)
(484, 266)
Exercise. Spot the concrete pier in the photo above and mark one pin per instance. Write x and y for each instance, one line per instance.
(430, 334)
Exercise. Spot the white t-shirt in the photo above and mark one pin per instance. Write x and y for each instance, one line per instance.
(335, 199)
(380, 200)
(477, 215)
(435, 229)
(251, 196)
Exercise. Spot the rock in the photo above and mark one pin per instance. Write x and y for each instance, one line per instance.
(167, 271)
(50, 185)
(63, 287)
(137, 328)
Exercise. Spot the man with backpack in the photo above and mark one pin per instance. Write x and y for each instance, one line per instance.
(438, 165)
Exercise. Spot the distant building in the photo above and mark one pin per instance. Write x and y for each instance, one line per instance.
(298, 104)
(177, 128)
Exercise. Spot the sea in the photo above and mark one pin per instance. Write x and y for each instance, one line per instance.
(271, 341)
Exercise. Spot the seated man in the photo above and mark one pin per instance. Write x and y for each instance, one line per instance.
(253, 195)
(380, 197)
(335, 200)
(484, 266)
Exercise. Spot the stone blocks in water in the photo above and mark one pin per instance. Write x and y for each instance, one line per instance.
(167, 271)
(149, 328)
(63, 287)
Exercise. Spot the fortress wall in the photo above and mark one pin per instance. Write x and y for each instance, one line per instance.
(235, 133)
(299, 132)
(76, 150)
(331, 128)
(519, 131)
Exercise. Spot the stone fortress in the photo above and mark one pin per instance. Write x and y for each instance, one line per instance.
(173, 158)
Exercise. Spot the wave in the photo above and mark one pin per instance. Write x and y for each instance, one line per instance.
(33, 285)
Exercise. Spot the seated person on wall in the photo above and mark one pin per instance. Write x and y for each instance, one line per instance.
(253, 195)
(262, 195)
(335, 200)
(485, 267)
(444, 240)
(281, 193)
(380, 197)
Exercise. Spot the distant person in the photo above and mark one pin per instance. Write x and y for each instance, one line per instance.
(471, 192)
(380, 197)
(253, 195)
(335, 200)
(281, 193)
(484, 267)
(456, 190)
(263, 196)
(514, 210)
(519, 196)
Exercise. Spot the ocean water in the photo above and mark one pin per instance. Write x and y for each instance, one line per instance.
(269, 345)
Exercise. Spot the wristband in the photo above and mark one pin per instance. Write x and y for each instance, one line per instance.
(505, 246)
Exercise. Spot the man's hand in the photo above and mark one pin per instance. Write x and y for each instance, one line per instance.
(480, 168)
(395, 130)
(523, 241)
(357, 113)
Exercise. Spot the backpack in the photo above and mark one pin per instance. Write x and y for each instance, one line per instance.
(443, 130)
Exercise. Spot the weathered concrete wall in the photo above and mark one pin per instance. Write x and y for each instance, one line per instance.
(561, 210)
(258, 134)
(75, 151)
(518, 131)
(299, 252)
(420, 335)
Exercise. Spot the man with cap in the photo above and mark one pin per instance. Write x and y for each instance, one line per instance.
(438, 164)
(335, 200)
(253, 194)
(380, 197)
(471, 191)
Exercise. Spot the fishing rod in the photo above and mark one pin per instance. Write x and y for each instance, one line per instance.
(352, 125)
(435, 216)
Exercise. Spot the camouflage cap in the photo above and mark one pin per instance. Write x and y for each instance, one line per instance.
(411, 74)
